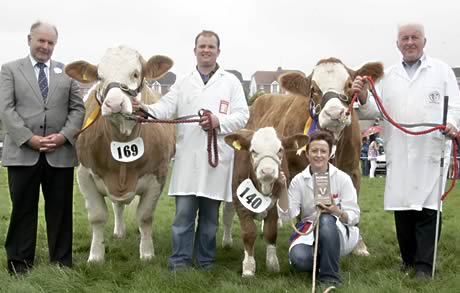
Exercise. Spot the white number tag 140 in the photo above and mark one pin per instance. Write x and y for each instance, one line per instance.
(127, 151)
(252, 199)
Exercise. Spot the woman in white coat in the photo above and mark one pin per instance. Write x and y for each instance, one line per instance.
(338, 233)
(198, 187)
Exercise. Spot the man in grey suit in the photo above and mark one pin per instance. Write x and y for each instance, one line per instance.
(42, 110)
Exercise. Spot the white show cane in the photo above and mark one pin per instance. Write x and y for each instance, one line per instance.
(322, 194)
(441, 173)
(315, 252)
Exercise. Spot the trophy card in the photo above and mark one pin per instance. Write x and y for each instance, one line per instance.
(322, 188)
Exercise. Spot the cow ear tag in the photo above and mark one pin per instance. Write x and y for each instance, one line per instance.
(251, 198)
(302, 149)
(236, 145)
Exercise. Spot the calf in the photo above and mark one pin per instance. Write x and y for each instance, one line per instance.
(259, 157)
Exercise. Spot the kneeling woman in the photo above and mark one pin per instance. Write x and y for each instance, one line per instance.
(338, 234)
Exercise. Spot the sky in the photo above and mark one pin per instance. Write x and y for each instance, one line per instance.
(255, 35)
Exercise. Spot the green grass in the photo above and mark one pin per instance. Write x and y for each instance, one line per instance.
(123, 272)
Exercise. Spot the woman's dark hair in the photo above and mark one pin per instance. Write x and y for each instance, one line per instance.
(321, 135)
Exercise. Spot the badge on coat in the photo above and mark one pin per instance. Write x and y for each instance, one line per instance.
(127, 151)
(251, 198)
(223, 107)
(434, 97)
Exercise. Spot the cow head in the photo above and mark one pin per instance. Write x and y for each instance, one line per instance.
(266, 152)
(328, 89)
(121, 76)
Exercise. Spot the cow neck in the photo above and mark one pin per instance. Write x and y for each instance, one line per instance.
(114, 134)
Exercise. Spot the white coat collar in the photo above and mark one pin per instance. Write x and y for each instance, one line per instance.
(216, 76)
(307, 174)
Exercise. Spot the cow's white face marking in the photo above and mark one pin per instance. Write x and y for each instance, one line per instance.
(266, 153)
(120, 65)
(332, 77)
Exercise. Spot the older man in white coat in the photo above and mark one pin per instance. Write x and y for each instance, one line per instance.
(412, 92)
(195, 184)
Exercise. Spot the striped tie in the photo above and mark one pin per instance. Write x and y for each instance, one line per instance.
(42, 80)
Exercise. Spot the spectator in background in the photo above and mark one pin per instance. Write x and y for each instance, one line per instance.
(364, 162)
(372, 154)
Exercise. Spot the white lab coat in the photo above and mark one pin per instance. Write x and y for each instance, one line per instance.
(413, 162)
(223, 95)
(301, 201)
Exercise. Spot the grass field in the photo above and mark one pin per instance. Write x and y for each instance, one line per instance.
(123, 272)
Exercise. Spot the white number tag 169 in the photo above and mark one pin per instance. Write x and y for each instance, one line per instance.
(251, 198)
(127, 151)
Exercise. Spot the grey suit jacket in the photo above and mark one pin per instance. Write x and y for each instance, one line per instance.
(24, 113)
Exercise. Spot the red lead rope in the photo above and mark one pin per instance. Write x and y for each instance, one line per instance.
(405, 130)
(212, 133)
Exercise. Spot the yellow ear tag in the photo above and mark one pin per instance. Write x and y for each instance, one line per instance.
(84, 77)
(236, 145)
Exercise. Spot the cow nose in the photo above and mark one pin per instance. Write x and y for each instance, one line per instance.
(335, 113)
(267, 172)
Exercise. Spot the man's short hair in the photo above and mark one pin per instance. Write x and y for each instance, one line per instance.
(208, 34)
(39, 23)
(418, 26)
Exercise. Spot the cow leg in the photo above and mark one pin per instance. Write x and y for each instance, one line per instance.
(270, 235)
(145, 208)
(228, 214)
(119, 229)
(97, 213)
(248, 234)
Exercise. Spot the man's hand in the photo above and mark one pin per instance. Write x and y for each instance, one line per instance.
(51, 142)
(361, 87)
(35, 142)
(282, 178)
(138, 105)
(451, 131)
(204, 122)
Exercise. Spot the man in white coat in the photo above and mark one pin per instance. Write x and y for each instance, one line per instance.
(195, 184)
(412, 92)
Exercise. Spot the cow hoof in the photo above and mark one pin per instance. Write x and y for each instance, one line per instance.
(273, 265)
(360, 249)
(95, 259)
(249, 266)
(147, 257)
(248, 274)
(146, 250)
(97, 253)
(227, 242)
(272, 260)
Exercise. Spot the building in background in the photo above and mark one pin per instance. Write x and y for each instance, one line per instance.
(267, 81)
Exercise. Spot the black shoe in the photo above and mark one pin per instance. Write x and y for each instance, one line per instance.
(422, 276)
(18, 268)
(405, 268)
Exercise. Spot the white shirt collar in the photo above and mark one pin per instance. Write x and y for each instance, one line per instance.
(34, 62)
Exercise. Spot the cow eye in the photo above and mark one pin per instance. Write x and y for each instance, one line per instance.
(280, 152)
(136, 75)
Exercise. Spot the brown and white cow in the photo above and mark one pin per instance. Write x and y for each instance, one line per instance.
(260, 156)
(327, 91)
(118, 157)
